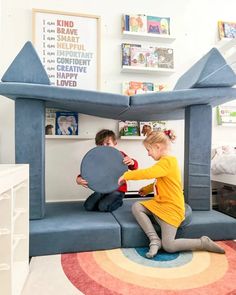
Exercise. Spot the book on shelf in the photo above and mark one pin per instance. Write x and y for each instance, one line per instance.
(137, 87)
(158, 125)
(138, 56)
(141, 23)
(226, 114)
(151, 57)
(165, 58)
(67, 123)
(125, 22)
(146, 127)
(158, 25)
(126, 53)
(227, 29)
(160, 87)
(138, 23)
(50, 122)
(128, 128)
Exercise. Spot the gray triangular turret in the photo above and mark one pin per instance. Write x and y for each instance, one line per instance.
(26, 68)
(210, 71)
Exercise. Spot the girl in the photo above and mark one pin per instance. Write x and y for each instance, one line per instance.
(167, 205)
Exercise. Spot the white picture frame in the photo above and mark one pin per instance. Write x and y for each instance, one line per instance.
(68, 45)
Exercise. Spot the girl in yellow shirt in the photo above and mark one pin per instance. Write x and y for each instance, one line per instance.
(167, 205)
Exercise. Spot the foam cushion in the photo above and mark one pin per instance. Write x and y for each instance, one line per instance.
(68, 227)
(26, 68)
(211, 223)
(210, 71)
(101, 167)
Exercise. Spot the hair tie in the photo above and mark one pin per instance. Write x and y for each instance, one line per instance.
(168, 133)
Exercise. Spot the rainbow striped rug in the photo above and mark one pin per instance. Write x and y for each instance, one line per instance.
(128, 272)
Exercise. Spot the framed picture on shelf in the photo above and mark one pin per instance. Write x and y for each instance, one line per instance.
(68, 45)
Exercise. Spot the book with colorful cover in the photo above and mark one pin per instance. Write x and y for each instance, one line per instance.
(229, 29)
(158, 25)
(146, 128)
(126, 53)
(138, 23)
(226, 114)
(165, 58)
(136, 87)
(125, 47)
(149, 126)
(138, 56)
(50, 122)
(125, 22)
(160, 87)
(128, 128)
(66, 123)
(152, 57)
(158, 125)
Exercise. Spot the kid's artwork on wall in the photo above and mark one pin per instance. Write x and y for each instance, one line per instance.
(69, 48)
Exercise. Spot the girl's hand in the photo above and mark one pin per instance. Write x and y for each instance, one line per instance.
(121, 180)
(128, 161)
(81, 181)
(142, 193)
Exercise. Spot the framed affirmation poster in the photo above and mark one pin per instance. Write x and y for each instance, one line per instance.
(68, 45)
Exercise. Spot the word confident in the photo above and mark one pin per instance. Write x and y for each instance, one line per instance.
(73, 61)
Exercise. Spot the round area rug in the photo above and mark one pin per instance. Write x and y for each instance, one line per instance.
(127, 271)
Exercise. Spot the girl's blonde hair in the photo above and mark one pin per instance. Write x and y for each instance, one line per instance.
(164, 137)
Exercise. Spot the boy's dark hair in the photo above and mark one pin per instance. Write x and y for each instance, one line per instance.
(103, 134)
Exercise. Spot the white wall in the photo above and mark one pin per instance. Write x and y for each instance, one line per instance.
(194, 24)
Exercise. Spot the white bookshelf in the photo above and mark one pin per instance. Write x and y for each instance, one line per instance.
(74, 137)
(14, 227)
(132, 69)
(132, 137)
(148, 37)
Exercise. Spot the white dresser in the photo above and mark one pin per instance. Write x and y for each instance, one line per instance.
(14, 227)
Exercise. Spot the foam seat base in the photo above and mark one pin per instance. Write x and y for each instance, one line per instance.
(214, 224)
(67, 227)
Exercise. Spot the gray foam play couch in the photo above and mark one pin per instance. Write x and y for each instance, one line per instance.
(206, 84)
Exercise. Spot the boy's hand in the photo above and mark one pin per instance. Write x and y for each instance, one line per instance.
(81, 181)
(142, 193)
(128, 161)
(121, 180)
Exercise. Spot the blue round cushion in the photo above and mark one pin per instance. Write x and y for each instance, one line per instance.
(101, 167)
(188, 215)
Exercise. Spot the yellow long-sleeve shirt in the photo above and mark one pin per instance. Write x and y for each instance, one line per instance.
(168, 200)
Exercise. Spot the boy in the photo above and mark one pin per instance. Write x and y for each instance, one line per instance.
(110, 201)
